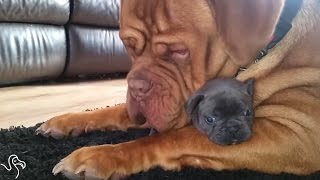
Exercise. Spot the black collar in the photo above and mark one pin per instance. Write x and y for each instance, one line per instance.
(284, 25)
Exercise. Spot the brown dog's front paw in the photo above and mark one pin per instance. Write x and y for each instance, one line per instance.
(98, 162)
(62, 126)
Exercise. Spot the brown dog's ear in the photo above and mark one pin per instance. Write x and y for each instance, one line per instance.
(249, 86)
(192, 104)
(246, 26)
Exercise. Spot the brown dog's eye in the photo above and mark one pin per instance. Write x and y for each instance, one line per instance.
(180, 55)
(179, 52)
(173, 52)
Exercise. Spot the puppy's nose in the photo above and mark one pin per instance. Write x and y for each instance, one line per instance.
(139, 86)
(233, 126)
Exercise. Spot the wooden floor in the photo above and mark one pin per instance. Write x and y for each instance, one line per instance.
(28, 105)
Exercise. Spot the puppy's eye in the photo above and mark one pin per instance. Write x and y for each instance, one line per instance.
(247, 113)
(210, 120)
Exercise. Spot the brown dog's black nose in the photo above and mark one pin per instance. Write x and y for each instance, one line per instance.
(139, 86)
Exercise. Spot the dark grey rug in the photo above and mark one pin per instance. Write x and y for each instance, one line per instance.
(41, 154)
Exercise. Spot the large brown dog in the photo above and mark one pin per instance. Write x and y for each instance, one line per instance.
(175, 46)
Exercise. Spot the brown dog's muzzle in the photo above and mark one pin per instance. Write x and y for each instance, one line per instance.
(139, 88)
(154, 97)
(139, 96)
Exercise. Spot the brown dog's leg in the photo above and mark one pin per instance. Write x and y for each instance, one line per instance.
(112, 118)
(281, 151)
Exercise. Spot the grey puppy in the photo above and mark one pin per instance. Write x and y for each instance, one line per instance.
(223, 110)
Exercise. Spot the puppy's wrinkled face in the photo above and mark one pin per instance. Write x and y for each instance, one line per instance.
(223, 110)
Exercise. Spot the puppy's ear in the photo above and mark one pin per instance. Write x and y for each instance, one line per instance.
(246, 26)
(192, 104)
(249, 86)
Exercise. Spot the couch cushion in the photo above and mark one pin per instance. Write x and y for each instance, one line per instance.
(38, 11)
(96, 12)
(96, 50)
(30, 52)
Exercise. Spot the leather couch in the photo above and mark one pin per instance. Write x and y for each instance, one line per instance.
(47, 39)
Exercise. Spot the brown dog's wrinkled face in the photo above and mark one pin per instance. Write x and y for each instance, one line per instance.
(162, 38)
(175, 46)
